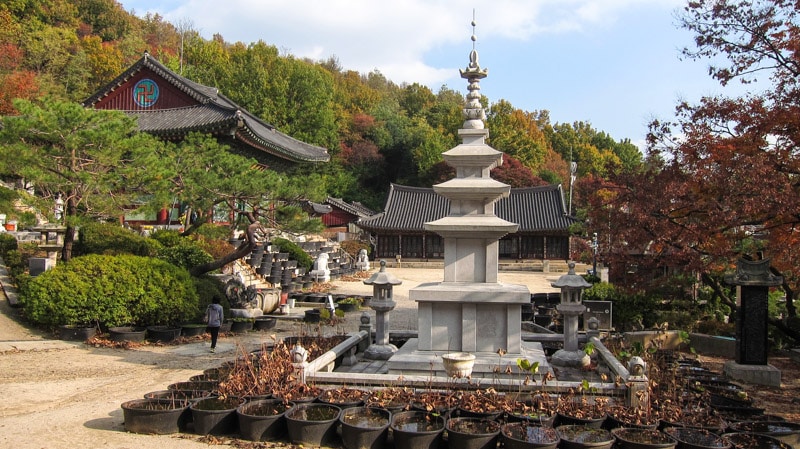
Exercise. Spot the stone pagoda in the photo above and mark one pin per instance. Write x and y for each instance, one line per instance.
(470, 311)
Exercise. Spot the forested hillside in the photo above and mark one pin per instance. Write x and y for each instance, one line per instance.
(376, 131)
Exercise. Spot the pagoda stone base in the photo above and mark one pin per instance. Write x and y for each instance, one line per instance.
(409, 360)
(753, 374)
(572, 359)
(470, 317)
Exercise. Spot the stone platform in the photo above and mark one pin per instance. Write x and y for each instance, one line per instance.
(409, 361)
(753, 374)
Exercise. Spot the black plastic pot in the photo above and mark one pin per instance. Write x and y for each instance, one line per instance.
(265, 323)
(127, 333)
(192, 329)
(262, 420)
(741, 440)
(472, 433)
(312, 424)
(215, 416)
(584, 437)
(365, 427)
(417, 430)
(154, 416)
(163, 334)
(642, 438)
(76, 333)
(690, 438)
(523, 435)
(240, 327)
(788, 432)
(312, 316)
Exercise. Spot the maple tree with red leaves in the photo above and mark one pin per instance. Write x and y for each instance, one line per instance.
(722, 181)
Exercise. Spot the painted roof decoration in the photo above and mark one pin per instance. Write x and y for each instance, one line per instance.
(535, 209)
(171, 106)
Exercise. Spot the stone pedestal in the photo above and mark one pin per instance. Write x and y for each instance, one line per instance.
(753, 374)
(470, 317)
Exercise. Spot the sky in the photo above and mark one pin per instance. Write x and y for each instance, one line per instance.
(614, 64)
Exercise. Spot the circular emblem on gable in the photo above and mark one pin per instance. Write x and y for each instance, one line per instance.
(145, 93)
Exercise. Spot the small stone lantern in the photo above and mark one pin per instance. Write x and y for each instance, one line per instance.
(299, 356)
(571, 307)
(382, 303)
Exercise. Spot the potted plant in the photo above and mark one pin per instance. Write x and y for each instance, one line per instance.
(343, 397)
(349, 304)
(394, 399)
(482, 403)
(241, 325)
(582, 410)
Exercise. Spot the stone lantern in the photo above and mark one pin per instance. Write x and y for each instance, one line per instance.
(571, 307)
(382, 303)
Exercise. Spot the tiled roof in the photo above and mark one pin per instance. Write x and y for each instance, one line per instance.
(354, 208)
(535, 209)
(215, 113)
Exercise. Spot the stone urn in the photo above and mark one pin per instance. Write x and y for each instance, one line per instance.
(458, 364)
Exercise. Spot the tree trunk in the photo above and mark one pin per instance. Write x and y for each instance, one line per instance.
(240, 252)
(70, 212)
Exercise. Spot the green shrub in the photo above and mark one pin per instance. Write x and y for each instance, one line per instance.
(207, 287)
(167, 237)
(111, 238)
(112, 290)
(17, 259)
(213, 232)
(295, 252)
(185, 255)
(7, 243)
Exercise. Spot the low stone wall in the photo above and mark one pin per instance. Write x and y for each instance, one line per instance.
(713, 345)
(703, 344)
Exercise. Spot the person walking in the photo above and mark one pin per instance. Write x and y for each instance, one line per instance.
(214, 318)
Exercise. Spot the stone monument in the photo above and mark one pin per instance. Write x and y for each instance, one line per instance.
(470, 311)
(753, 280)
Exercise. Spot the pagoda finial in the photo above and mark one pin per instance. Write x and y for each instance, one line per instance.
(473, 112)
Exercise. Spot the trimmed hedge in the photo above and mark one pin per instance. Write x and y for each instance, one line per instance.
(110, 238)
(112, 290)
(186, 254)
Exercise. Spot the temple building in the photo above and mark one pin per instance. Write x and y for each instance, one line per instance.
(543, 232)
(171, 106)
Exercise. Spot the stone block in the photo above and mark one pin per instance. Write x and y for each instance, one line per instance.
(753, 374)
(39, 265)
